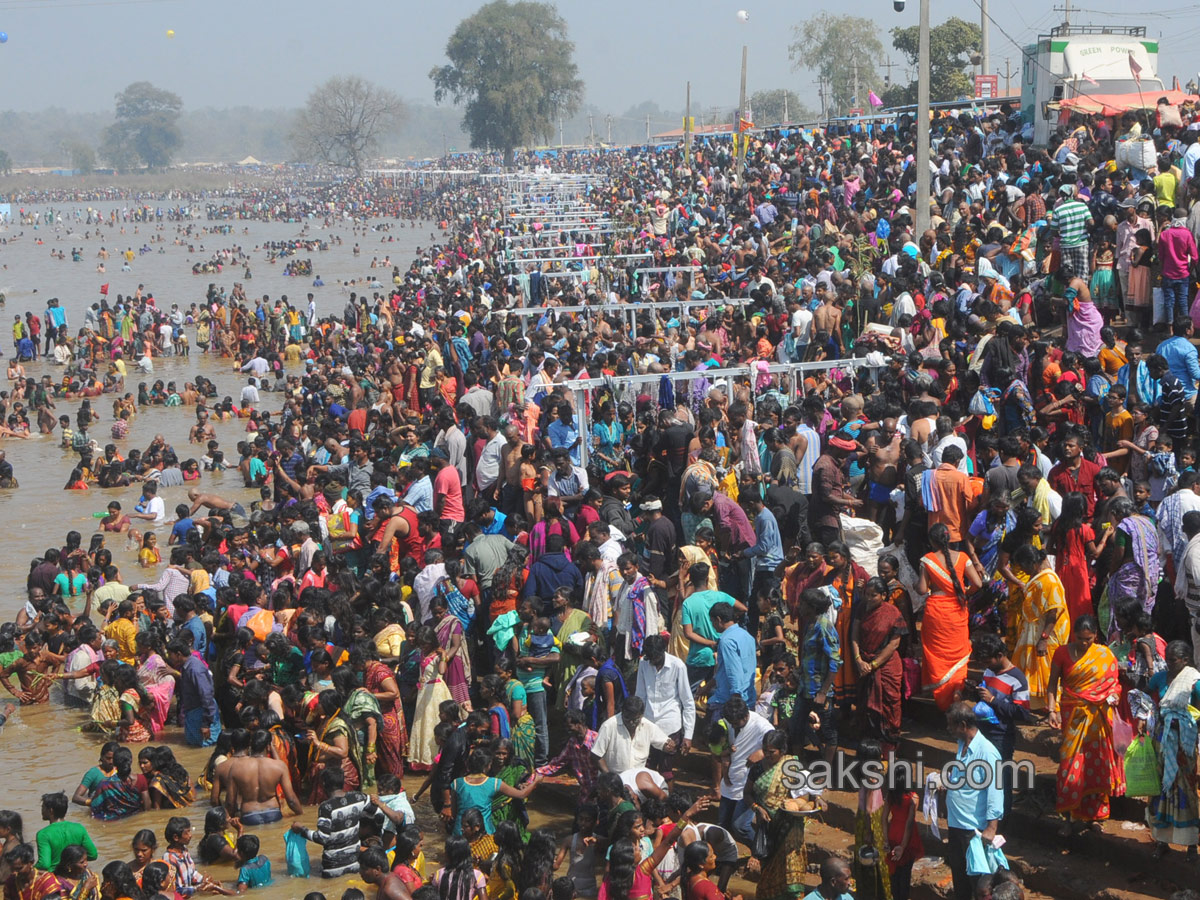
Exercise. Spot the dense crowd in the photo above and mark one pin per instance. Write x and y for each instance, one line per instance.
(482, 557)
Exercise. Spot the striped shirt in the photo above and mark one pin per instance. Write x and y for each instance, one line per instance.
(1072, 218)
(1173, 412)
(337, 832)
(998, 720)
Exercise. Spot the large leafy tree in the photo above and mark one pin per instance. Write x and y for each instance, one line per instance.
(511, 70)
(343, 120)
(146, 131)
(834, 46)
(950, 47)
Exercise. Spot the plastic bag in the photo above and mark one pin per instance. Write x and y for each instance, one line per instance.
(1142, 777)
(984, 859)
(865, 540)
(296, 846)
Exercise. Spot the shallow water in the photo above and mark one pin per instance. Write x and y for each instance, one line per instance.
(45, 750)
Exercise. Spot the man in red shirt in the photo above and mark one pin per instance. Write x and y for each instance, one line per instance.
(1075, 473)
(447, 490)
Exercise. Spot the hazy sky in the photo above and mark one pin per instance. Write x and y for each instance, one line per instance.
(268, 53)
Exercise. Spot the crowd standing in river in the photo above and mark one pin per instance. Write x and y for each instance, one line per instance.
(482, 557)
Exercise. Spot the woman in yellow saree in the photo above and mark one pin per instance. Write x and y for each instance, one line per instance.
(1043, 622)
(1089, 770)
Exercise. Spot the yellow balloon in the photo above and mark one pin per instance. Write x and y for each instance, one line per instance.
(170, 32)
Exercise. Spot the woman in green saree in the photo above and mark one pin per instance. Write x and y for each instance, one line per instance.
(523, 732)
(786, 862)
(361, 711)
(513, 771)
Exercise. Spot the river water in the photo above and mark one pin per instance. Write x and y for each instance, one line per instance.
(44, 749)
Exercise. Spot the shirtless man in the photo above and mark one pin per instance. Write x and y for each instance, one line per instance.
(255, 782)
(511, 492)
(883, 474)
(202, 431)
(827, 317)
(239, 747)
(373, 868)
(213, 503)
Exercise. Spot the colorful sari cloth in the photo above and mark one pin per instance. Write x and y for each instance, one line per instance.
(783, 870)
(1174, 815)
(870, 829)
(524, 732)
(574, 622)
(106, 710)
(177, 794)
(40, 887)
(138, 731)
(154, 676)
(393, 735)
(880, 693)
(506, 809)
(499, 721)
(283, 748)
(1138, 576)
(987, 605)
(458, 664)
(678, 644)
(945, 630)
(431, 691)
(335, 727)
(116, 798)
(846, 586)
(360, 707)
(1089, 770)
(1044, 594)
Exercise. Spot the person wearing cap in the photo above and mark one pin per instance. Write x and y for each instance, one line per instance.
(1132, 222)
(831, 490)
(661, 546)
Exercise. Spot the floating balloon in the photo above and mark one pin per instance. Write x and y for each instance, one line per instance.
(3, 37)
(170, 32)
(743, 16)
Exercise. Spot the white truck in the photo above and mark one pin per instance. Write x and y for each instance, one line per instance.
(1084, 60)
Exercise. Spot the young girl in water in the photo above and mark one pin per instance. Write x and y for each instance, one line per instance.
(149, 557)
(188, 879)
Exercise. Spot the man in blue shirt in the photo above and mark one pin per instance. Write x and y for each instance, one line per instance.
(737, 656)
(970, 809)
(564, 432)
(835, 881)
(1182, 359)
(767, 552)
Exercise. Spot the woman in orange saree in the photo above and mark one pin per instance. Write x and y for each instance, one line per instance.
(1089, 769)
(945, 627)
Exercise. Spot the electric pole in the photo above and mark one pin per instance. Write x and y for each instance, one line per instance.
(921, 201)
(560, 132)
(737, 129)
(647, 128)
(591, 130)
(887, 80)
(1065, 9)
(608, 122)
(687, 127)
(1007, 75)
(985, 58)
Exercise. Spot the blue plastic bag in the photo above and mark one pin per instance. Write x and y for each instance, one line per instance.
(984, 859)
(296, 846)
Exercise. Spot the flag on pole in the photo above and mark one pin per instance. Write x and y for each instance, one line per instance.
(744, 124)
(1089, 79)
(104, 289)
(874, 98)
(1135, 69)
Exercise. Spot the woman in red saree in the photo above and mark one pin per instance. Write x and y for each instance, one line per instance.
(846, 577)
(1089, 769)
(874, 641)
(945, 629)
(393, 733)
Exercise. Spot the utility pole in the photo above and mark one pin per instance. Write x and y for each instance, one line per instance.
(1065, 9)
(737, 126)
(445, 153)
(1007, 75)
(921, 213)
(608, 122)
(647, 128)
(887, 81)
(560, 132)
(591, 130)
(786, 117)
(985, 53)
(855, 64)
(687, 127)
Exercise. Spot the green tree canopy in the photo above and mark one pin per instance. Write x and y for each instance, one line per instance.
(343, 120)
(146, 131)
(833, 46)
(511, 69)
(950, 47)
(779, 105)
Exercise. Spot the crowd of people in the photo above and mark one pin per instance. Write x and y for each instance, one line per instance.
(954, 465)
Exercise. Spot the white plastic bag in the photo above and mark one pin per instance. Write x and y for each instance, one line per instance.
(865, 540)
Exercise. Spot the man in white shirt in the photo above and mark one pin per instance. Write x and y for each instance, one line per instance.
(624, 741)
(746, 731)
(150, 507)
(426, 581)
(487, 469)
(1187, 579)
(663, 685)
(250, 394)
